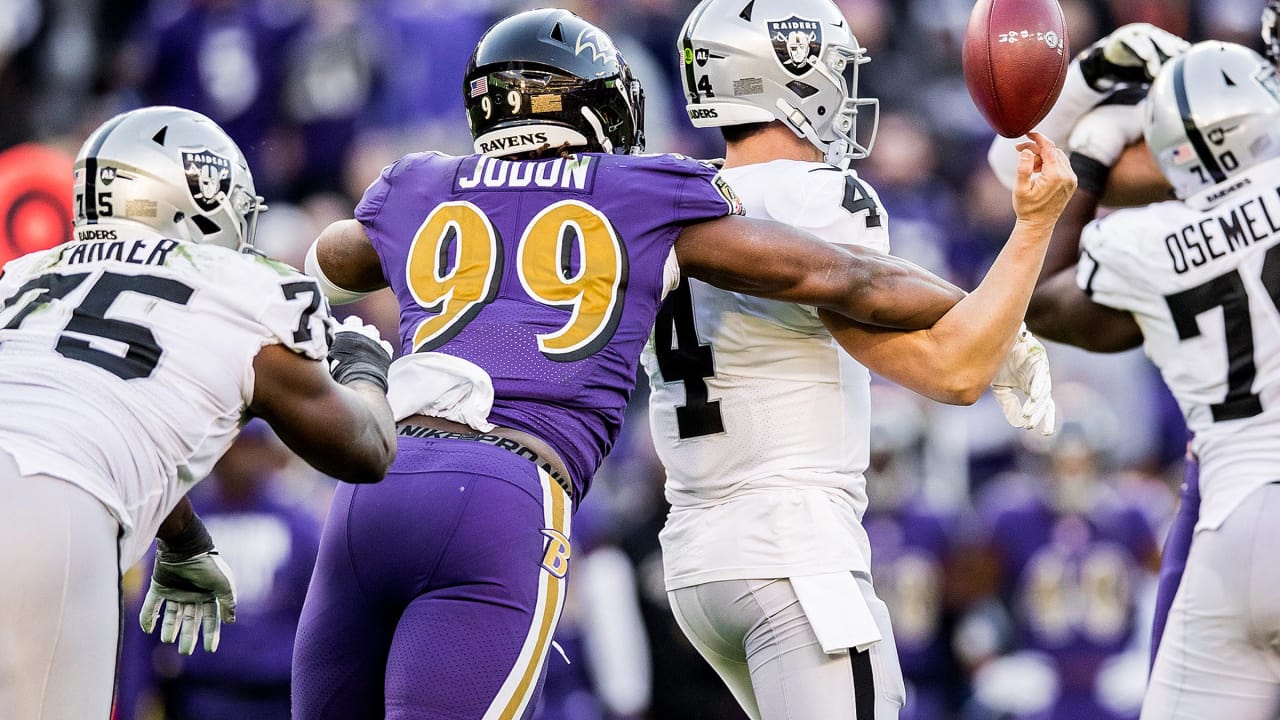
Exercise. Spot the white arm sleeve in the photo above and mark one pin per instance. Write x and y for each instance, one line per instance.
(336, 295)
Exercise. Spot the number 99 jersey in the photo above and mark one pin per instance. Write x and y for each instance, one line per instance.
(546, 274)
(126, 362)
(758, 415)
(1202, 280)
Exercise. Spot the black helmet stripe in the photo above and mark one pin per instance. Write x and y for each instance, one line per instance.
(686, 55)
(1189, 124)
(91, 170)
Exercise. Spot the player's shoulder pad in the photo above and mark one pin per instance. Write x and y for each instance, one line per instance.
(297, 313)
(32, 263)
(678, 167)
(1125, 233)
(831, 202)
(669, 162)
(288, 305)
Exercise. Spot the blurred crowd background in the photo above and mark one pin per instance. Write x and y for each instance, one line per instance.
(1019, 570)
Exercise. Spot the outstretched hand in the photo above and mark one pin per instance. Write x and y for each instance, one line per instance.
(1045, 181)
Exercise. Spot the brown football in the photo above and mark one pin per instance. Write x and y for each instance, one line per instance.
(1015, 59)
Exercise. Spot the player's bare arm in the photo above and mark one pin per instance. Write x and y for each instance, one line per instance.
(1059, 310)
(1062, 312)
(1136, 180)
(955, 359)
(345, 431)
(772, 260)
(346, 260)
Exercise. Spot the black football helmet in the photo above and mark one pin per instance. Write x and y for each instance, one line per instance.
(546, 79)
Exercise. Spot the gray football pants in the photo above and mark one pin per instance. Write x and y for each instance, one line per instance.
(756, 636)
(1220, 653)
(59, 599)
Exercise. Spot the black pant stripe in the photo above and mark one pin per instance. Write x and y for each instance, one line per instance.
(864, 685)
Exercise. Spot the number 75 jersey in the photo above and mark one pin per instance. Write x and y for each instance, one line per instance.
(1202, 280)
(126, 362)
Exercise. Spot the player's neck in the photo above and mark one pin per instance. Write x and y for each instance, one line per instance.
(773, 143)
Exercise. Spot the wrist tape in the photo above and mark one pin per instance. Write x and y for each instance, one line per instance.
(189, 542)
(354, 357)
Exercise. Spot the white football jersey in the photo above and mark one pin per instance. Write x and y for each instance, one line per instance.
(1202, 279)
(126, 362)
(759, 417)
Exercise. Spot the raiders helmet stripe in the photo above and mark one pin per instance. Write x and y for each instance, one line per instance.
(91, 170)
(1189, 124)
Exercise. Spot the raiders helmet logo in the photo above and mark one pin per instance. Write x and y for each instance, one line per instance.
(208, 177)
(796, 43)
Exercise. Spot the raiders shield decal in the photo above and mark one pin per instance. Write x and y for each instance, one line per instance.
(796, 43)
(208, 177)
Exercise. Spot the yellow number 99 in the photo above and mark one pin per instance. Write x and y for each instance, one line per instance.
(594, 291)
(456, 294)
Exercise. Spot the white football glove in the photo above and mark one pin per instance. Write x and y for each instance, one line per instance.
(196, 592)
(1133, 53)
(1105, 131)
(1026, 371)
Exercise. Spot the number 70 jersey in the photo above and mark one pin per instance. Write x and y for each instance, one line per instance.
(126, 362)
(1202, 280)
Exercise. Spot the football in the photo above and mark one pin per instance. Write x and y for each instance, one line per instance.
(1015, 60)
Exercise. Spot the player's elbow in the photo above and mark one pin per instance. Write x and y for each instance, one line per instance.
(370, 460)
(365, 470)
(961, 388)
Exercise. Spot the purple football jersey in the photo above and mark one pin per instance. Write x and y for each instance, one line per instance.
(1071, 578)
(548, 274)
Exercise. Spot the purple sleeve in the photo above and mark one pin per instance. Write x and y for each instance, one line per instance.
(375, 196)
(1177, 545)
(137, 679)
(701, 194)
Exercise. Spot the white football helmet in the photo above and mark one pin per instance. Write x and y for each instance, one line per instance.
(171, 169)
(1213, 113)
(753, 61)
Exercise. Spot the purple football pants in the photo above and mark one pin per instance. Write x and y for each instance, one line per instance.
(1177, 545)
(436, 591)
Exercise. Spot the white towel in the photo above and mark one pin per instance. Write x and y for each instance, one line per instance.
(441, 386)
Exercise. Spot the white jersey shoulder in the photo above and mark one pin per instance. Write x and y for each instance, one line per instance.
(1202, 279)
(752, 398)
(127, 360)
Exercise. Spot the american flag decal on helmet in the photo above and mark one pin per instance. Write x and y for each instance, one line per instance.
(480, 86)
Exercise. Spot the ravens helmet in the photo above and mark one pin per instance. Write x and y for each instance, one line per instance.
(546, 79)
(171, 169)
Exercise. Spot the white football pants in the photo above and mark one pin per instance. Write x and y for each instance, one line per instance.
(756, 636)
(59, 599)
(1220, 654)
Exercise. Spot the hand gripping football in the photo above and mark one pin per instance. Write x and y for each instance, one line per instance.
(1015, 60)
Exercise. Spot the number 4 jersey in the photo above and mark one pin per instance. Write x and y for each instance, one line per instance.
(759, 417)
(1202, 279)
(126, 362)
